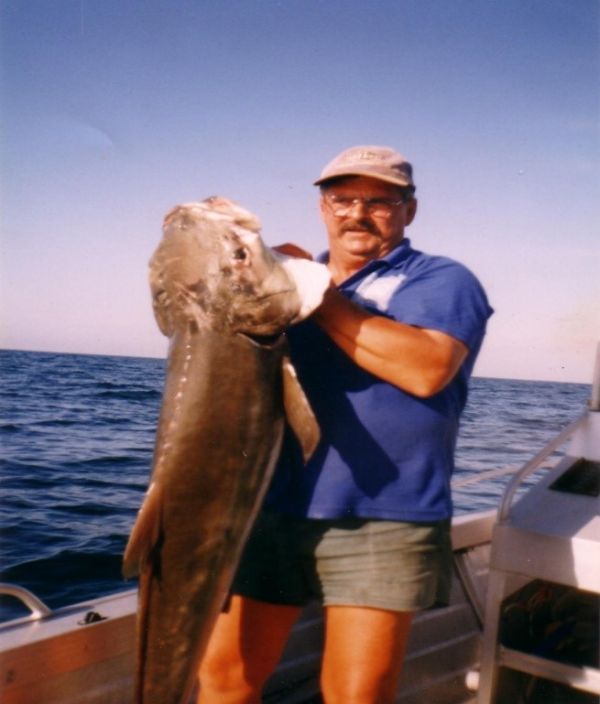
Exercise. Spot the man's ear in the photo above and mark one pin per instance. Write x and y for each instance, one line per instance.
(411, 210)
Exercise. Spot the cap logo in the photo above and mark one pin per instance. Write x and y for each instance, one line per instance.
(361, 156)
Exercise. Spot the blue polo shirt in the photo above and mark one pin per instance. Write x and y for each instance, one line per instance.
(384, 453)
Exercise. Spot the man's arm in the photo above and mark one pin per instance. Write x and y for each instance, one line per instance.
(417, 360)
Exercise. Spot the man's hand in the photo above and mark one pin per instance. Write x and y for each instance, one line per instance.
(292, 250)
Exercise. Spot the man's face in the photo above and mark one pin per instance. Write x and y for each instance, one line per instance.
(364, 229)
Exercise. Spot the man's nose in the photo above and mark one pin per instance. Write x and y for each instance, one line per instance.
(360, 204)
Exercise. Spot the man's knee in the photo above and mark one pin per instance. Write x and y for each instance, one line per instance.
(224, 678)
(243, 651)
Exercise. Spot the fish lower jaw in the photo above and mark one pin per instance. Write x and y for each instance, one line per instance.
(267, 341)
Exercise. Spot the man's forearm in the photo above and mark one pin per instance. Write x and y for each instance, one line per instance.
(416, 360)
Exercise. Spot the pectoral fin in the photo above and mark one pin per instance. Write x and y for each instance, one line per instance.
(299, 414)
(145, 533)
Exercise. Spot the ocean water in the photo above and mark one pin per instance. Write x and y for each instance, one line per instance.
(76, 441)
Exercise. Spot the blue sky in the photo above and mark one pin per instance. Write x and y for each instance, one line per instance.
(114, 110)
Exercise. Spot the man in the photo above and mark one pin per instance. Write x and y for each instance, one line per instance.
(364, 526)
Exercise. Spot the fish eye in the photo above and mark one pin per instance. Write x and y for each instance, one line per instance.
(240, 254)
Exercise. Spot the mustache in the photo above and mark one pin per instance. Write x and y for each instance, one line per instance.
(363, 225)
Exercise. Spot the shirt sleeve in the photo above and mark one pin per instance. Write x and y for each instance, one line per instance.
(441, 294)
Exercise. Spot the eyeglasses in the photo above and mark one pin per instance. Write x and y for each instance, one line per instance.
(378, 207)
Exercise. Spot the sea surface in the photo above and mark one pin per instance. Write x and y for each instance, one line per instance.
(76, 442)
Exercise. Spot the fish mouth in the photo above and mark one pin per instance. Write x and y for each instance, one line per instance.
(280, 319)
(267, 341)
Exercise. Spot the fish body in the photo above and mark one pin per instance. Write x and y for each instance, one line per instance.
(224, 300)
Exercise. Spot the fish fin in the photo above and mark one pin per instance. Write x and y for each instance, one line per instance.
(299, 414)
(145, 533)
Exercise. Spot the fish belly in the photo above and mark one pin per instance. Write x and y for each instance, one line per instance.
(218, 439)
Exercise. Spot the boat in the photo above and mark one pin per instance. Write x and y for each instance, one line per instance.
(521, 626)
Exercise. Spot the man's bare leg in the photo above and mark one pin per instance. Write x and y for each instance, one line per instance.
(364, 653)
(243, 651)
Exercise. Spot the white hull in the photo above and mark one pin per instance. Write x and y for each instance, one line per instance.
(57, 660)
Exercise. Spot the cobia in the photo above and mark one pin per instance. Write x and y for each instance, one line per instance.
(224, 300)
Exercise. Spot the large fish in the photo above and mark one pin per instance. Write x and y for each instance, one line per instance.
(224, 300)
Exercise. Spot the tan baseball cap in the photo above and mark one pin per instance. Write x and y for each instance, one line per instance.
(382, 163)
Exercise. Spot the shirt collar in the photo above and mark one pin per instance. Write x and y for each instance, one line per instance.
(390, 261)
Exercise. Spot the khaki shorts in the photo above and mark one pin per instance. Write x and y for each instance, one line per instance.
(400, 566)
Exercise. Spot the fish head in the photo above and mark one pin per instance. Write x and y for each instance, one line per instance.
(212, 269)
